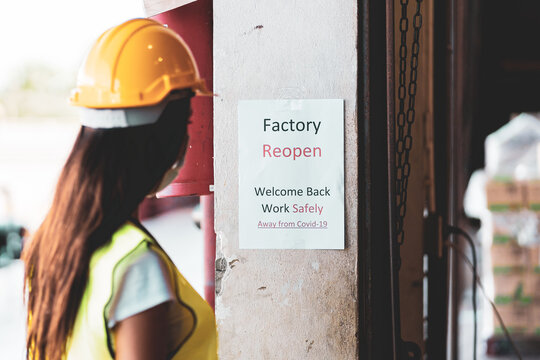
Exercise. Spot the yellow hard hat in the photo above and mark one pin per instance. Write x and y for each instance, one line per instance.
(137, 63)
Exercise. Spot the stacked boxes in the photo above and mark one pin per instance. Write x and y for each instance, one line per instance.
(511, 289)
(505, 195)
(513, 196)
(532, 195)
(533, 254)
(516, 268)
(533, 280)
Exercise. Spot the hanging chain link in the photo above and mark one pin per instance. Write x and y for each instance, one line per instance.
(405, 117)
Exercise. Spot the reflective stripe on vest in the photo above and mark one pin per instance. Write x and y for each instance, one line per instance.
(91, 338)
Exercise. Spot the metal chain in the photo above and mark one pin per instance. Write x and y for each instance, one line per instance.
(405, 117)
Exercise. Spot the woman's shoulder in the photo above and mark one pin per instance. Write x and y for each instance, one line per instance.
(131, 233)
(143, 264)
(140, 283)
(127, 239)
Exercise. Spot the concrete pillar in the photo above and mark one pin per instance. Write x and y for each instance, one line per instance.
(283, 304)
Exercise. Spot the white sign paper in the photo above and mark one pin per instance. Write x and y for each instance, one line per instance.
(291, 174)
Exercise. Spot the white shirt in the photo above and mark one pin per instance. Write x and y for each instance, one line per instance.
(144, 284)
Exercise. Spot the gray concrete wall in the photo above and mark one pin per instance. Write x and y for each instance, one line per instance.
(283, 304)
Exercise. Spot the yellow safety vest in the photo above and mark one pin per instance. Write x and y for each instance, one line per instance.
(91, 338)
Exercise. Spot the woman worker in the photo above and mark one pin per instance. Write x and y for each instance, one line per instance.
(99, 285)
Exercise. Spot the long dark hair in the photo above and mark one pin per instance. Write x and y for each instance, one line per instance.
(107, 175)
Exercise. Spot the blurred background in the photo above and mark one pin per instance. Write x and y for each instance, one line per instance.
(42, 50)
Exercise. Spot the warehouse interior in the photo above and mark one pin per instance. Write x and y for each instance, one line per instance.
(441, 177)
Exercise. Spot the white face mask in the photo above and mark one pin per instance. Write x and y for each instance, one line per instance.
(171, 174)
(168, 178)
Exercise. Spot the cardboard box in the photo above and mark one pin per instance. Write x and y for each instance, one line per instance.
(535, 316)
(532, 195)
(533, 254)
(532, 283)
(509, 284)
(516, 317)
(507, 253)
(505, 196)
(532, 272)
